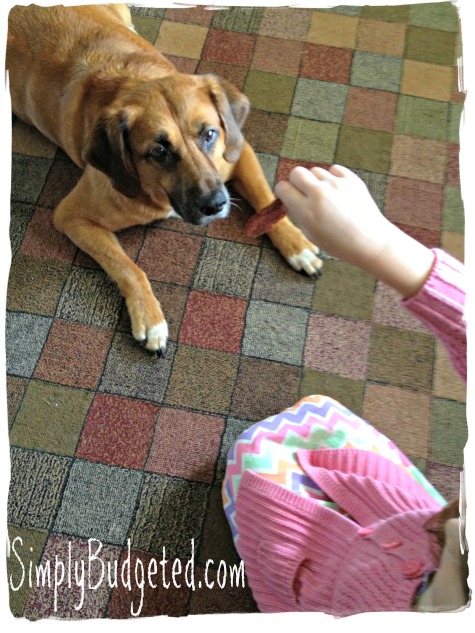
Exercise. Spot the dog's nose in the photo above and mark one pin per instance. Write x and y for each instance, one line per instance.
(212, 202)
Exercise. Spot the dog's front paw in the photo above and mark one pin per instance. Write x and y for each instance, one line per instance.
(300, 253)
(148, 323)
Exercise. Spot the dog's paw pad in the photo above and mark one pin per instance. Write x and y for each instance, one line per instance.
(308, 261)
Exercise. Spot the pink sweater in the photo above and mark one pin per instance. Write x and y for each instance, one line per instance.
(300, 555)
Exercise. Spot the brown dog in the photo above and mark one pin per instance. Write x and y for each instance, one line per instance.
(152, 142)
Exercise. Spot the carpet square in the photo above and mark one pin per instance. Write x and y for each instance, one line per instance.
(402, 358)
(267, 130)
(50, 418)
(214, 321)
(326, 63)
(446, 479)
(449, 432)
(447, 383)
(231, 229)
(226, 268)
(178, 256)
(118, 431)
(337, 345)
(133, 371)
(280, 22)
(442, 16)
(275, 332)
(388, 310)
(98, 502)
(170, 513)
(233, 428)
(453, 168)
(202, 379)
(453, 218)
(41, 601)
(386, 13)
(147, 12)
(20, 216)
(429, 81)
(311, 141)
(419, 158)
(430, 45)
(189, 15)
(69, 359)
(28, 177)
(414, 202)
(366, 149)
(270, 91)
(402, 415)
(429, 238)
(147, 27)
(233, 73)
(377, 36)
(42, 240)
(422, 117)
(216, 541)
(276, 55)
(264, 388)
(29, 550)
(241, 19)
(454, 243)
(375, 109)
(25, 335)
(332, 29)
(16, 388)
(277, 282)
(229, 48)
(61, 180)
(186, 444)
(156, 599)
(182, 40)
(319, 100)
(345, 390)
(34, 285)
(91, 298)
(374, 70)
(354, 294)
(36, 483)
(27, 140)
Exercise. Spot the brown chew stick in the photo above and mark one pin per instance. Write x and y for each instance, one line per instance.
(263, 221)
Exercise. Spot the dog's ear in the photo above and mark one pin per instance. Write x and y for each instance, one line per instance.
(233, 107)
(109, 151)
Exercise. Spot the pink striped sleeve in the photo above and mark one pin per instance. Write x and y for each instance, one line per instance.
(440, 304)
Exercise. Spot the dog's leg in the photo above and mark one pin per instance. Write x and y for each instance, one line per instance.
(250, 182)
(148, 322)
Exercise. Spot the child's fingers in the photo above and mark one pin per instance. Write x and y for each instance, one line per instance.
(340, 171)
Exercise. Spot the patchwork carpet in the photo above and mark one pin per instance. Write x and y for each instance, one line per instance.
(117, 456)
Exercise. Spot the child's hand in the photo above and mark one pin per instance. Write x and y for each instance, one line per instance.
(336, 211)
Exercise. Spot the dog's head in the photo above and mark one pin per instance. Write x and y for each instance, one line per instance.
(168, 139)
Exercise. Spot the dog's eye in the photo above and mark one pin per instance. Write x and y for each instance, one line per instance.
(158, 153)
(209, 138)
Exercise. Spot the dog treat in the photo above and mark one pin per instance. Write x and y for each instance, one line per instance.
(263, 221)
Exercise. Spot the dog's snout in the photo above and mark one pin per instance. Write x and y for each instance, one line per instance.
(212, 202)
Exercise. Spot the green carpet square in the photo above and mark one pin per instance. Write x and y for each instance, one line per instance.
(453, 218)
(388, 13)
(320, 100)
(373, 70)
(435, 15)
(429, 45)
(422, 117)
(311, 141)
(270, 91)
(365, 149)
(449, 431)
(51, 418)
(344, 290)
(345, 390)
